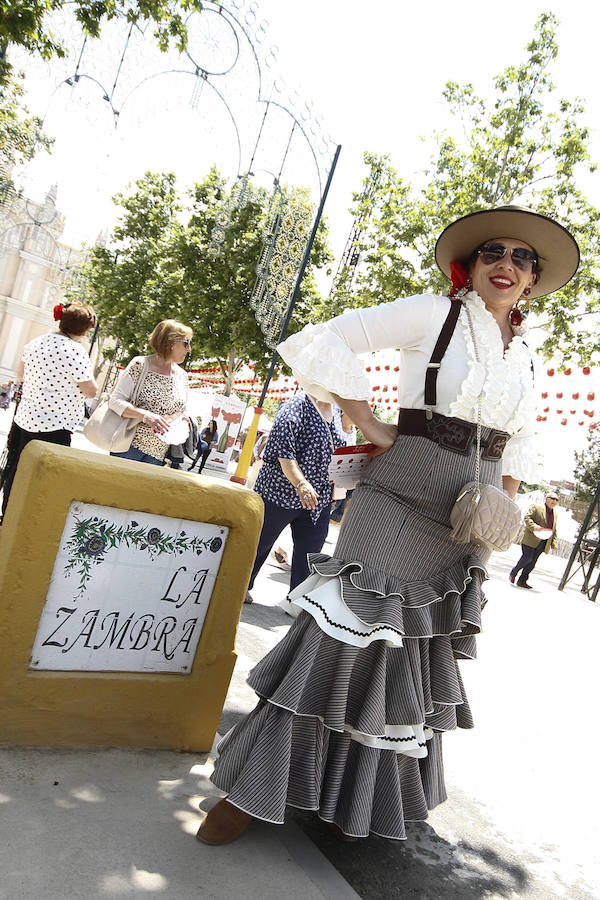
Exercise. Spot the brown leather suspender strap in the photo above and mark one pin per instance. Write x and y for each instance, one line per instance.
(440, 348)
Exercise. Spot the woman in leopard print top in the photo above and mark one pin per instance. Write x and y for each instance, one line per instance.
(163, 396)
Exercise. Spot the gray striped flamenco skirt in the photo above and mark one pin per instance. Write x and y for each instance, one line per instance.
(354, 700)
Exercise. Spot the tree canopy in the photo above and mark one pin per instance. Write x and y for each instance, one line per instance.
(156, 265)
(518, 145)
(20, 134)
(25, 23)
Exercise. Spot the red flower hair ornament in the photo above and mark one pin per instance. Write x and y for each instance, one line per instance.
(57, 312)
(460, 278)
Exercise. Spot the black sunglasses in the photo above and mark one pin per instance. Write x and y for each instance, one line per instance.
(522, 258)
(185, 341)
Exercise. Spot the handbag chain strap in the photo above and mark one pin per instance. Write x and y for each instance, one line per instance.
(478, 456)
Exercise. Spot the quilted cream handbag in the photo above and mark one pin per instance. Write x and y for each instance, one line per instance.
(483, 514)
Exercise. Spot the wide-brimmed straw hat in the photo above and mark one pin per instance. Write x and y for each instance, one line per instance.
(557, 250)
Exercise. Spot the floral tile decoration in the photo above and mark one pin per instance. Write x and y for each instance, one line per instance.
(129, 592)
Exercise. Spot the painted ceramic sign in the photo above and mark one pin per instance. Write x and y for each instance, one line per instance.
(129, 592)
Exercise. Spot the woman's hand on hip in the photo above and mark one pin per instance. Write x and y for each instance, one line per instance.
(382, 434)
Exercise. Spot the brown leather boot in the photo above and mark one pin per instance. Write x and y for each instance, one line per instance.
(339, 834)
(223, 824)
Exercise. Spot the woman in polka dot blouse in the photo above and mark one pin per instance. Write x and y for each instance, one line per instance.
(57, 376)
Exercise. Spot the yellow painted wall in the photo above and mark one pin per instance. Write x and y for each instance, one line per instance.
(123, 709)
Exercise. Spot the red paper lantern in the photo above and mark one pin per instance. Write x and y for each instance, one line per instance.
(538, 419)
(395, 388)
(384, 388)
(573, 412)
(378, 368)
(396, 368)
(559, 395)
(387, 368)
(368, 368)
(593, 425)
(544, 395)
(576, 396)
(550, 372)
(559, 411)
(581, 423)
(563, 421)
(546, 409)
(591, 395)
(586, 370)
(567, 371)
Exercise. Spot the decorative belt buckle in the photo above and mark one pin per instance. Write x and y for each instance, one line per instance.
(496, 445)
(451, 435)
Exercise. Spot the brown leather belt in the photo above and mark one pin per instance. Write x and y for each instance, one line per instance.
(452, 434)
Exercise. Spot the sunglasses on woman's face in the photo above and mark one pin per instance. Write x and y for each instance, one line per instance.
(492, 253)
(185, 341)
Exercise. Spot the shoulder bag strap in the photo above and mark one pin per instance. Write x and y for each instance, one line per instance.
(440, 348)
(138, 385)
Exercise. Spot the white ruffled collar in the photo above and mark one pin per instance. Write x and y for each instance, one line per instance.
(486, 319)
(502, 378)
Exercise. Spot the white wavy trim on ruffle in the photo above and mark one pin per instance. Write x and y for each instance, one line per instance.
(408, 740)
(324, 365)
(321, 597)
(503, 378)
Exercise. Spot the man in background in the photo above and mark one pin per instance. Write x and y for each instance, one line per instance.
(539, 537)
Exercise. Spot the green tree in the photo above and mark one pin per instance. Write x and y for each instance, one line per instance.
(157, 266)
(21, 135)
(587, 468)
(24, 23)
(518, 145)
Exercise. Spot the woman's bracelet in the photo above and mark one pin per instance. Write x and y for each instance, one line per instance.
(302, 481)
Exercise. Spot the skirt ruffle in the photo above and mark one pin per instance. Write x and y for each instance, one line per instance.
(362, 789)
(354, 699)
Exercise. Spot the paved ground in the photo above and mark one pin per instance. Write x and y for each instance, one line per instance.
(521, 819)
(522, 815)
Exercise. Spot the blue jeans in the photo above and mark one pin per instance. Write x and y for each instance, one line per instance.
(306, 537)
(529, 557)
(139, 456)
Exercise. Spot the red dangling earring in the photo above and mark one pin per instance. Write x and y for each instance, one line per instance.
(515, 317)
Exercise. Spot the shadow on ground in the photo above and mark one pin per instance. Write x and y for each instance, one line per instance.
(424, 866)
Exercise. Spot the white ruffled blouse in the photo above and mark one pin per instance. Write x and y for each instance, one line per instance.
(324, 361)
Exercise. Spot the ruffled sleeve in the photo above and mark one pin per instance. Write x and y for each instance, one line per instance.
(520, 458)
(323, 357)
(324, 364)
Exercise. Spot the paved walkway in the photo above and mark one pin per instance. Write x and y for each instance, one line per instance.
(521, 819)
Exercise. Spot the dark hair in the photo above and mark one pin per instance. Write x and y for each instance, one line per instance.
(213, 422)
(77, 319)
(470, 260)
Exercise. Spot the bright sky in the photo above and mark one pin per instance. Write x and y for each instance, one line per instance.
(375, 72)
